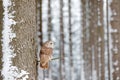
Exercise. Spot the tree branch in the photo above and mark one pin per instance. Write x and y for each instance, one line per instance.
(53, 59)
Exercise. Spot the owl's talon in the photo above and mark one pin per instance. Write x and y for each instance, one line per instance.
(50, 58)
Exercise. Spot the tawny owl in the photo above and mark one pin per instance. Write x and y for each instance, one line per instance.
(46, 54)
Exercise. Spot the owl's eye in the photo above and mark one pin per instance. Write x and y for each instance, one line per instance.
(50, 43)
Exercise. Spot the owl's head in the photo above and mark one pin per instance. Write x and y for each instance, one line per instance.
(49, 44)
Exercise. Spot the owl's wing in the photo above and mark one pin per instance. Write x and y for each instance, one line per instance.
(45, 54)
(47, 51)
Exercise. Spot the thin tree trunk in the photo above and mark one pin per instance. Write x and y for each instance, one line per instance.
(1, 27)
(84, 37)
(49, 20)
(115, 24)
(108, 31)
(49, 32)
(62, 55)
(101, 41)
(40, 26)
(70, 40)
(83, 17)
(40, 36)
(87, 38)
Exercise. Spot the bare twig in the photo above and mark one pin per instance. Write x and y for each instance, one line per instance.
(53, 59)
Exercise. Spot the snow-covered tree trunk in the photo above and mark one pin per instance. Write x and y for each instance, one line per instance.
(19, 40)
(1, 27)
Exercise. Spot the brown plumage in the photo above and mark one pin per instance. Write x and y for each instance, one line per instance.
(46, 54)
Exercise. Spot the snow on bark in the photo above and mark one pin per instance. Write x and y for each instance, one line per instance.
(105, 37)
(9, 72)
(94, 73)
(109, 32)
(110, 37)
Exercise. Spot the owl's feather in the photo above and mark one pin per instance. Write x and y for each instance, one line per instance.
(45, 55)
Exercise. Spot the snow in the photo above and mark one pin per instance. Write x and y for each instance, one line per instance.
(118, 78)
(99, 23)
(116, 63)
(117, 69)
(94, 72)
(110, 31)
(110, 38)
(115, 49)
(9, 72)
(113, 30)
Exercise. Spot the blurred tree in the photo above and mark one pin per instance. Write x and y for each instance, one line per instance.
(24, 44)
(108, 41)
(49, 20)
(70, 39)
(100, 41)
(115, 34)
(87, 56)
(93, 39)
(62, 54)
(40, 25)
(49, 29)
(40, 35)
(1, 27)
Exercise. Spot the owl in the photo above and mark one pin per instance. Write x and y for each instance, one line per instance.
(46, 54)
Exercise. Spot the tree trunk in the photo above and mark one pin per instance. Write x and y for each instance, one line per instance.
(1, 27)
(49, 20)
(24, 44)
(108, 39)
(40, 25)
(87, 42)
(115, 35)
(70, 39)
(49, 27)
(62, 55)
(93, 49)
(40, 37)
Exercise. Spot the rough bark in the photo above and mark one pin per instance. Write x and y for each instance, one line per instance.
(1, 27)
(115, 24)
(24, 43)
(100, 39)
